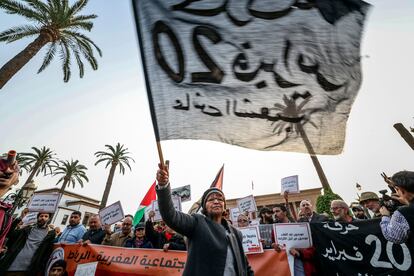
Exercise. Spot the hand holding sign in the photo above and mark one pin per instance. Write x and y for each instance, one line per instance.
(290, 184)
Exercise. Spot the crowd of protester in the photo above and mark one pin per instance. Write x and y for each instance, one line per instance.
(28, 247)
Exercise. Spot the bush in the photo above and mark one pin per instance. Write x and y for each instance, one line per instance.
(323, 202)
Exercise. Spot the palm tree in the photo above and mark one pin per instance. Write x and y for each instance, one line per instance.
(70, 172)
(54, 23)
(41, 161)
(114, 157)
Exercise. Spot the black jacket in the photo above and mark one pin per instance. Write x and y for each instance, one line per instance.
(16, 242)
(207, 240)
(315, 218)
(159, 239)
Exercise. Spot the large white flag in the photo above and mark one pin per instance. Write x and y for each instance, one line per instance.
(248, 72)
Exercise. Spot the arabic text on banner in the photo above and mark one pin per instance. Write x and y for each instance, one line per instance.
(248, 73)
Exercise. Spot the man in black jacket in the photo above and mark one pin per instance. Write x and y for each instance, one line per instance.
(308, 214)
(214, 247)
(28, 248)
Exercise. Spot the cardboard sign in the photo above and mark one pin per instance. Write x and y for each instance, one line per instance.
(30, 218)
(87, 269)
(247, 204)
(234, 214)
(291, 184)
(156, 209)
(293, 235)
(251, 240)
(111, 214)
(183, 192)
(47, 203)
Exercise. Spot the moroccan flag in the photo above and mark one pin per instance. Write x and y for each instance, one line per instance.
(146, 201)
(217, 183)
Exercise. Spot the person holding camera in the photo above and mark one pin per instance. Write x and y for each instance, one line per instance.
(398, 227)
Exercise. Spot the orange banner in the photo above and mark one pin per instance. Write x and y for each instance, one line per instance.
(135, 262)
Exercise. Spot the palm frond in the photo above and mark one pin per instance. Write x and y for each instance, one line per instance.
(77, 6)
(65, 56)
(15, 7)
(16, 33)
(50, 54)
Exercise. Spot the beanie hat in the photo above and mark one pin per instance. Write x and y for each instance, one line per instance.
(59, 263)
(209, 192)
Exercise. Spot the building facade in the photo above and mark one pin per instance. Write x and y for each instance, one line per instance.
(270, 200)
(70, 202)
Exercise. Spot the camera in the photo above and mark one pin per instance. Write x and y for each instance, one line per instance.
(388, 202)
(7, 166)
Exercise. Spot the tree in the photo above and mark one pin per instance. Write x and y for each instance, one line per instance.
(41, 161)
(114, 157)
(323, 202)
(54, 23)
(71, 172)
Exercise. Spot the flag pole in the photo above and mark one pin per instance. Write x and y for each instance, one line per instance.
(160, 155)
(147, 83)
(315, 160)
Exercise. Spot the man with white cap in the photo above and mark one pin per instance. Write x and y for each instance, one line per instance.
(214, 246)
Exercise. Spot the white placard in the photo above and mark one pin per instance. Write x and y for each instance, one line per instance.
(247, 204)
(293, 235)
(87, 269)
(291, 184)
(30, 218)
(111, 214)
(183, 192)
(155, 208)
(251, 240)
(234, 214)
(47, 203)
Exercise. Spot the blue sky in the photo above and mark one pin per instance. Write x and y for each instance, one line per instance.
(110, 105)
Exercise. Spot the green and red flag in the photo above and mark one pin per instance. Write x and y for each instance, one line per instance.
(146, 201)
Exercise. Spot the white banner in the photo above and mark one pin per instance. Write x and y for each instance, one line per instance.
(234, 213)
(291, 184)
(47, 203)
(248, 72)
(86, 269)
(30, 218)
(111, 214)
(293, 235)
(251, 240)
(247, 204)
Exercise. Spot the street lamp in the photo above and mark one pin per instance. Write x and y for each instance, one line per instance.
(21, 196)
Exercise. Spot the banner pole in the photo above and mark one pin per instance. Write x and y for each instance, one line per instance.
(160, 155)
(147, 82)
(315, 160)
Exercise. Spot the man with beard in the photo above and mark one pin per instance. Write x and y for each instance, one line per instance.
(307, 213)
(74, 231)
(359, 213)
(370, 201)
(281, 213)
(214, 246)
(28, 248)
(266, 216)
(340, 211)
(119, 238)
